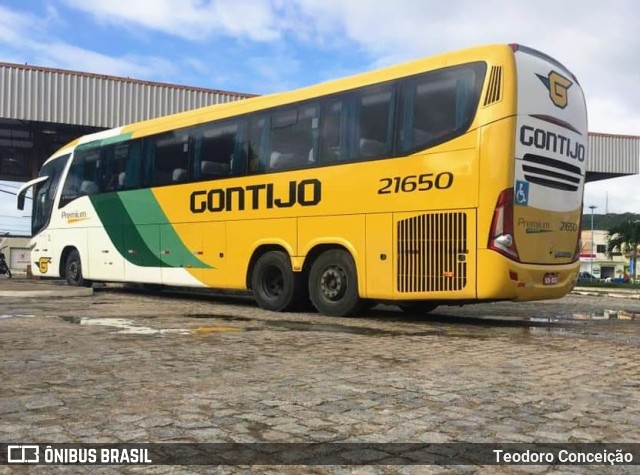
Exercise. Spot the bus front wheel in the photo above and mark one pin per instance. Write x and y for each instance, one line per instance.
(333, 284)
(275, 286)
(73, 270)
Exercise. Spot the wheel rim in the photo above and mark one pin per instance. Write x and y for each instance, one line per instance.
(333, 283)
(273, 282)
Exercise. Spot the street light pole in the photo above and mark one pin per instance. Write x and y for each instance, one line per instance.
(592, 207)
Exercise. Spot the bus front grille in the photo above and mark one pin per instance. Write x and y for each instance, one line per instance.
(432, 253)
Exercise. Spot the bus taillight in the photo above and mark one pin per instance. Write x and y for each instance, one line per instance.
(501, 237)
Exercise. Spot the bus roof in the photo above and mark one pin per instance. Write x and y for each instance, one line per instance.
(230, 109)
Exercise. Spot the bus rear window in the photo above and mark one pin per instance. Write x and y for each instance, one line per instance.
(439, 105)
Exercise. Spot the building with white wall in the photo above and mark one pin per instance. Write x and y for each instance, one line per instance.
(595, 260)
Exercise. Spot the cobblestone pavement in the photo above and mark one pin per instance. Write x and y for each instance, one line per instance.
(123, 366)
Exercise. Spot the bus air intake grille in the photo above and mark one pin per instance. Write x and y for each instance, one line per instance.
(432, 250)
(494, 90)
(551, 173)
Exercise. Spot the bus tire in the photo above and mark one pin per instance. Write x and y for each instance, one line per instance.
(73, 270)
(274, 284)
(418, 307)
(333, 284)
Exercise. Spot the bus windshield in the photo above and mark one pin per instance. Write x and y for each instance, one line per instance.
(45, 192)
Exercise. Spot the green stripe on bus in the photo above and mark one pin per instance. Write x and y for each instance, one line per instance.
(124, 234)
(139, 230)
(143, 208)
(103, 142)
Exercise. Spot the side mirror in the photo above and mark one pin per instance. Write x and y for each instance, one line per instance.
(21, 198)
(22, 192)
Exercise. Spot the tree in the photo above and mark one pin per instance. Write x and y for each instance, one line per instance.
(626, 237)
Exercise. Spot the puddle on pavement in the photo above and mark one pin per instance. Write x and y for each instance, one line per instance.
(608, 315)
(23, 315)
(325, 327)
(209, 329)
(582, 316)
(124, 326)
(456, 326)
(336, 328)
(226, 318)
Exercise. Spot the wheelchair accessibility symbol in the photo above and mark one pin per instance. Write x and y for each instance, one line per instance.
(522, 193)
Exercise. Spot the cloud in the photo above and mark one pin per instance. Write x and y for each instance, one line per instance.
(616, 195)
(611, 113)
(273, 73)
(26, 38)
(17, 28)
(388, 32)
(192, 19)
(73, 57)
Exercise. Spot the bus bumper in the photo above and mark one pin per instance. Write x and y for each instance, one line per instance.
(504, 279)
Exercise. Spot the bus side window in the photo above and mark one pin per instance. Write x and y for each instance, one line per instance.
(168, 158)
(333, 138)
(439, 105)
(130, 177)
(374, 122)
(84, 176)
(219, 151)
(433, 110)
(294, 138)
(122, 166)
(258, 143)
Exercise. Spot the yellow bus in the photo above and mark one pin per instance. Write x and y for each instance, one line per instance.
(448, 180)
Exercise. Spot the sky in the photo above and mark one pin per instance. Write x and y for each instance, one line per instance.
(263, 46)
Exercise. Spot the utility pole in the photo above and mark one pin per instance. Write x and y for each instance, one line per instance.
(592, 207)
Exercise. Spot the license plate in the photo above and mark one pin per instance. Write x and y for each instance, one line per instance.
(550, 278)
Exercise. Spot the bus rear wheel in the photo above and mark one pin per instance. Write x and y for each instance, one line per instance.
(333, 284)
(274, 284)
(73, 270)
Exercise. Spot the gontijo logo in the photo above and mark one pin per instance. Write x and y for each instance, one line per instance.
(43, 264)
(557, 85)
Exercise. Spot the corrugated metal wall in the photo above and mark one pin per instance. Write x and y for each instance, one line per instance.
(50, 95)
(613, 153)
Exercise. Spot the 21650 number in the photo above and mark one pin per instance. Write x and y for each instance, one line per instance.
(410, 183)
(568, 226)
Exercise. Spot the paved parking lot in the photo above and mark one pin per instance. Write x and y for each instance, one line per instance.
(123, 366)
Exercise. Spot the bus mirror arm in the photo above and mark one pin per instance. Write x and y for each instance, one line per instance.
(22, 192)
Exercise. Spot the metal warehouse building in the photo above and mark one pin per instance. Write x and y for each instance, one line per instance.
(612, 156)
(41, 109)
